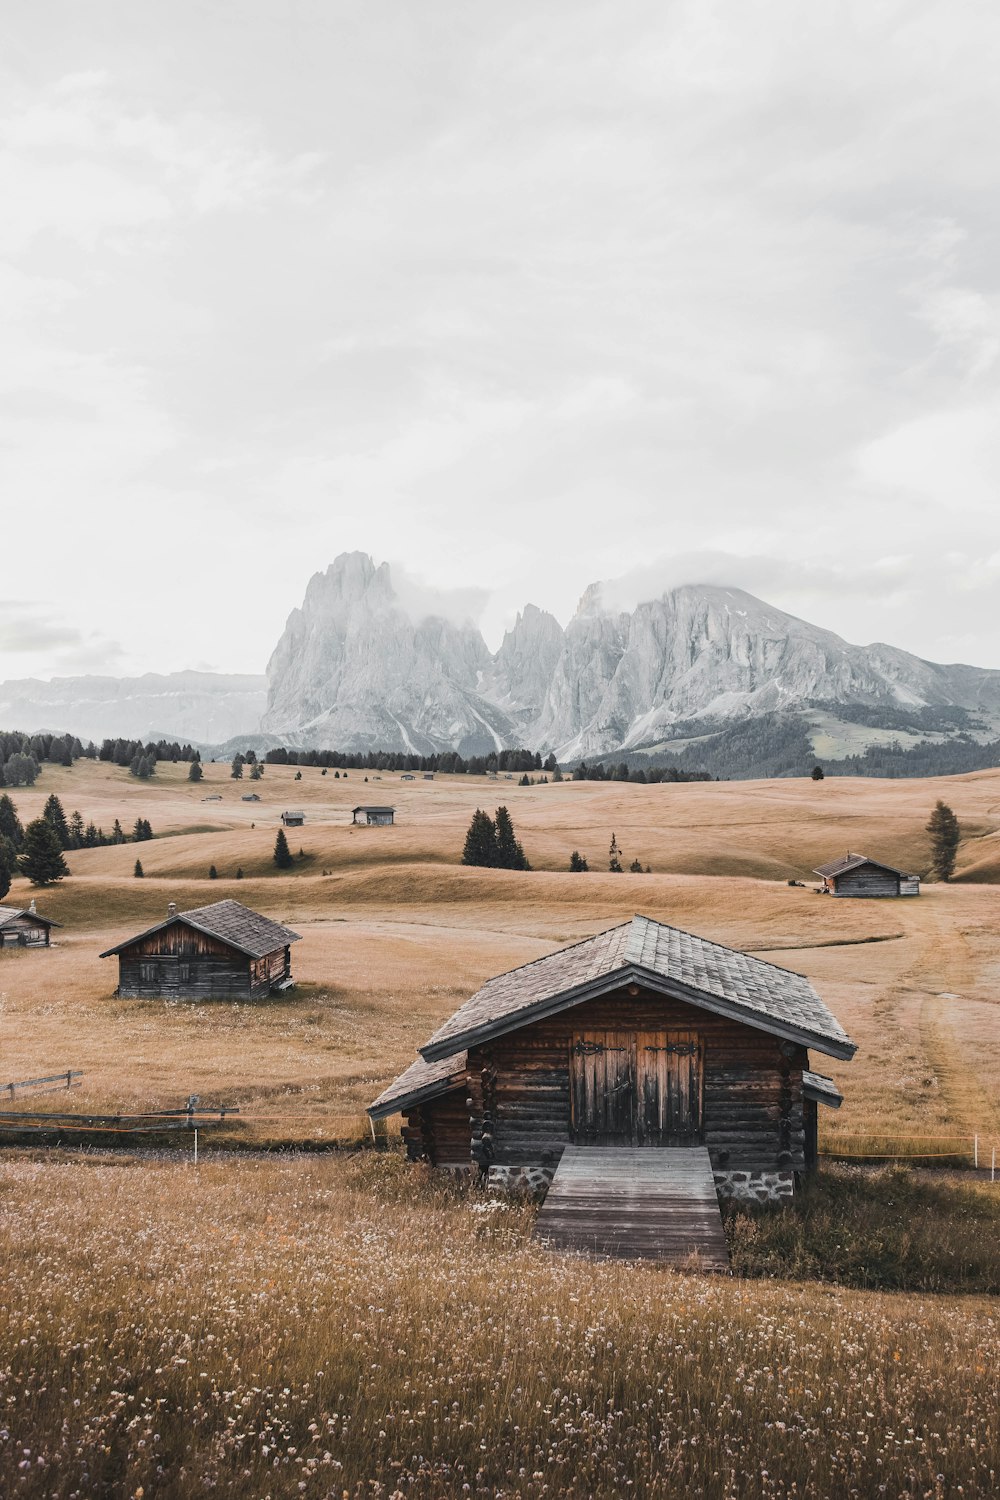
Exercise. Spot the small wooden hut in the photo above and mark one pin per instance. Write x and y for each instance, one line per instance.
(859, 875)
(373, 816)
(222, 951)
(293, 818)
(641, 1036)
(22, 927)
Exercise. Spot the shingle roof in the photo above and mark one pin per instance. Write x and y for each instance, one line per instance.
(371, 807)
(8, 914)
(422, 1080)
(854, 862)
(230, 921)
(817, 1086)
(707, 974)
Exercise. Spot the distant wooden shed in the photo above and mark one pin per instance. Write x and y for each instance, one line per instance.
(22, 927)
(293, 818)
(222, 951)
(373, 816)
(859, 875)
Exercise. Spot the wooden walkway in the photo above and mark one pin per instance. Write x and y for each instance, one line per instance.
(646, 1204)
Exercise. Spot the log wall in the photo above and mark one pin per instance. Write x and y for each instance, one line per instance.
(865, 881)
(180, 963)
(752, 1110)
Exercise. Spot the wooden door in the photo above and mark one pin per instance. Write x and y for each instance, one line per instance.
(668, 1088)
(636, 1089)
(602, 1075)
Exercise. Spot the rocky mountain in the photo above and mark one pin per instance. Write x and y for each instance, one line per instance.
(197, 706)
(355, 670)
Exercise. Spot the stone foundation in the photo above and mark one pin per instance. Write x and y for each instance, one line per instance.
(500, 1179)
(755, 1187)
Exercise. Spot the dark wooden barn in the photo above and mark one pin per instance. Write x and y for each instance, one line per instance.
(374, 816)
(293, 819)
(22, 927)
(641, 1036)
(222, 951)
(858, 875)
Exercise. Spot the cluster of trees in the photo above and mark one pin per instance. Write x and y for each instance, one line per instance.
(34, 851)
(954, 757)
(22, 755)
(578, 862)
(37, 850)
(446, 761)
(239, 761)
(122, 752)
(492, 843)
(623, 771)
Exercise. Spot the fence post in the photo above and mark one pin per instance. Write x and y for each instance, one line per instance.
(196, 1148)
(993, 1166)
(975, 1152)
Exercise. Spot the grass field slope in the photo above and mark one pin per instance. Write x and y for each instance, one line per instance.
(336, 1324)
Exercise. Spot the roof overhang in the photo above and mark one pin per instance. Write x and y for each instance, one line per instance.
(822, 1089)
(401, 1103)
(635, 974)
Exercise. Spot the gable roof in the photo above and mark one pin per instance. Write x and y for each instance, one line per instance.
(649, 953)
(10, 913)
(850, 861)
(371, 807)
(422, 1080)
(229, 921)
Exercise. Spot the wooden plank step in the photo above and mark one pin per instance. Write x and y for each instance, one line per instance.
(651, 1203)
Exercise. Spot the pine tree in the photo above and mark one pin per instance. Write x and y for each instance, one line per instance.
(8, 865)
(481, 841)
(213, 873)
(577, 861)
(76, 830)
(236, 770)
(946, 836)
(282, 853)
(195, 773)
(557, 775)
(636, 867)
(510, 855)
(817, 773)
(239, 872)
(56, 818)
(257, 771)
(138, 871)
(524, 780)
(10, 823)
(117, 833)
(614, 857)
(41, 857)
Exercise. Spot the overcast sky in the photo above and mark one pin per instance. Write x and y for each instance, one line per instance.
(517, 296)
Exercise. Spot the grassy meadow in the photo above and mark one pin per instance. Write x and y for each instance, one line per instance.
(337, 1324)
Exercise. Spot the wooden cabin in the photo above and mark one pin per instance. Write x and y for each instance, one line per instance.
(858, 875)
(294, 818)
(372, 817)
(22, 927)
(222, 951)
(641, 1036)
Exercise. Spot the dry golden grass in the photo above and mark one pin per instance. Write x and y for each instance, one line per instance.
(398, 932)
(329, 1328)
